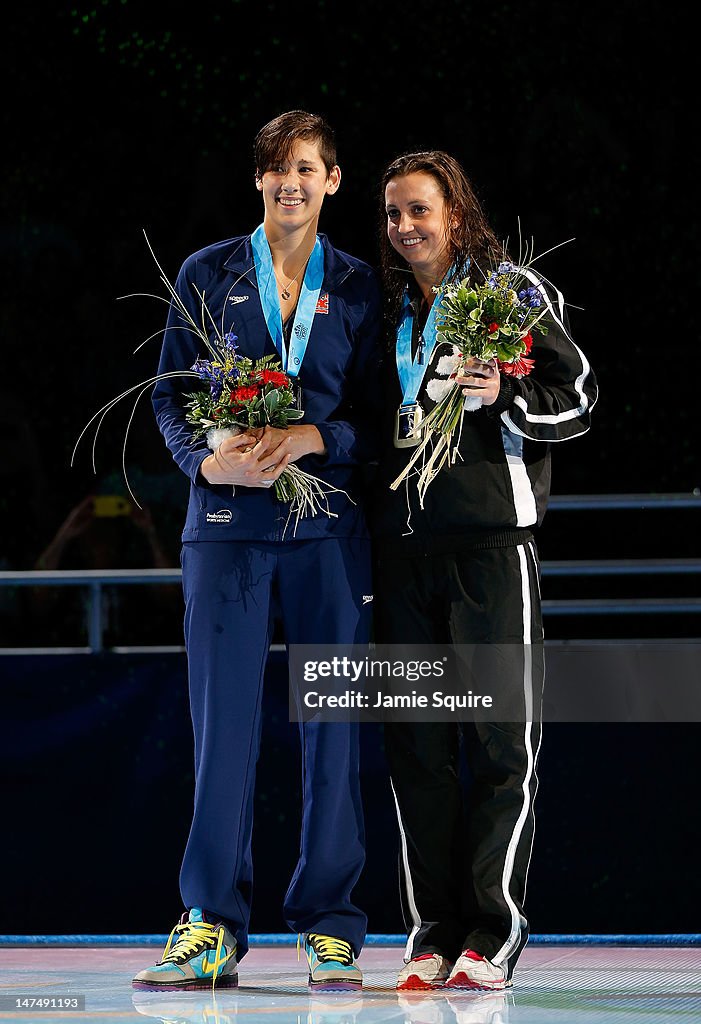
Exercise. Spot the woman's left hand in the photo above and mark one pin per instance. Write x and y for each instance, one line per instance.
(302, 440)
(479, 379)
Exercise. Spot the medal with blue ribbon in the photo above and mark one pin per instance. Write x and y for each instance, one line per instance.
(412, 371)
(292, 357)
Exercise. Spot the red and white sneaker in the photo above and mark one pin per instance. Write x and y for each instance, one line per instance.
(430, 970)
(474, 971)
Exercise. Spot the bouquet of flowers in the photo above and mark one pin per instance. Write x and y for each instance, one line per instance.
(247, 395)
(241, 395)
(492, 320)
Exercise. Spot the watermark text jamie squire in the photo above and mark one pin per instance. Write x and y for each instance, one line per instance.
(365, 701)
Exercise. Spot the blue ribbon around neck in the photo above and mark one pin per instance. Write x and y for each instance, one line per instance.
(270, 300)
(412, 371)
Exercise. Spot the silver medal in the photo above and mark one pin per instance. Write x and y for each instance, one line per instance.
(406, 425)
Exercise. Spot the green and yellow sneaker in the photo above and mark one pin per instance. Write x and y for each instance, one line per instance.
(331, 964)
(197, 955)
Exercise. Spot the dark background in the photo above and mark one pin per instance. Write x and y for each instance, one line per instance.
(123, 117)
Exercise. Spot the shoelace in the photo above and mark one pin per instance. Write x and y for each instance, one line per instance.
(327, 948)
(193, 937)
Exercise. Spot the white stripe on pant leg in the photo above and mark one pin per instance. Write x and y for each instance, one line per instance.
(411, 902)
(514, 935)
(536, 577)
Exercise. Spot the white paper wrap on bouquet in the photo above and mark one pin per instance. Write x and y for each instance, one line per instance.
(439, 386)
(215, 435)
(471, 403)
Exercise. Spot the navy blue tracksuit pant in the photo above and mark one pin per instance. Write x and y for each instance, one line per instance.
(228, 588)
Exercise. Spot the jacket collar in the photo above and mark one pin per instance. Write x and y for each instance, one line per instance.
(336, 265)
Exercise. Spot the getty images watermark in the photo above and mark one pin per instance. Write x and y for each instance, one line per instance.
(393, 672)
(637, 681)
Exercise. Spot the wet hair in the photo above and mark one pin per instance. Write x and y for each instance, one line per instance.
(469, 237)
(275, 140)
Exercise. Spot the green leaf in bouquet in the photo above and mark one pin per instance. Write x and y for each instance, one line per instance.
(271, 401)
(507, 353)
(487, 352)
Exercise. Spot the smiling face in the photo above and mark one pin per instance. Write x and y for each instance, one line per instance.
(295, 188)
(417, 222)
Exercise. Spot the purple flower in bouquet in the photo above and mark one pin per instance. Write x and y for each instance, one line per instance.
(211, 373)
(531, 297)
(504, 268)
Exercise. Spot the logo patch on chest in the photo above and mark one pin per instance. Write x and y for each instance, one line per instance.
(322, 305)
(224, 515)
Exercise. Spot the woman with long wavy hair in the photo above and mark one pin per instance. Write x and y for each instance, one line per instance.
(461, 568)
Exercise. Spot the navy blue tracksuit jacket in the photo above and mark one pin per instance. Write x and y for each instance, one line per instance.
(339, 376)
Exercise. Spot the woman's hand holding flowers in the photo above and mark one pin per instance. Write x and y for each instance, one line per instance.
(244, 461)
(303, 439)
(479, 378)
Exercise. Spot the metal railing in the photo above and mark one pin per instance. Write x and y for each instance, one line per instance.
(580, 502)
(95, 579)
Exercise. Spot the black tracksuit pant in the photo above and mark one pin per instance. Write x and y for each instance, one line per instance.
(465, 790)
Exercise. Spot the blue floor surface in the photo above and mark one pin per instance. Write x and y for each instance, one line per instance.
(559, 983)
